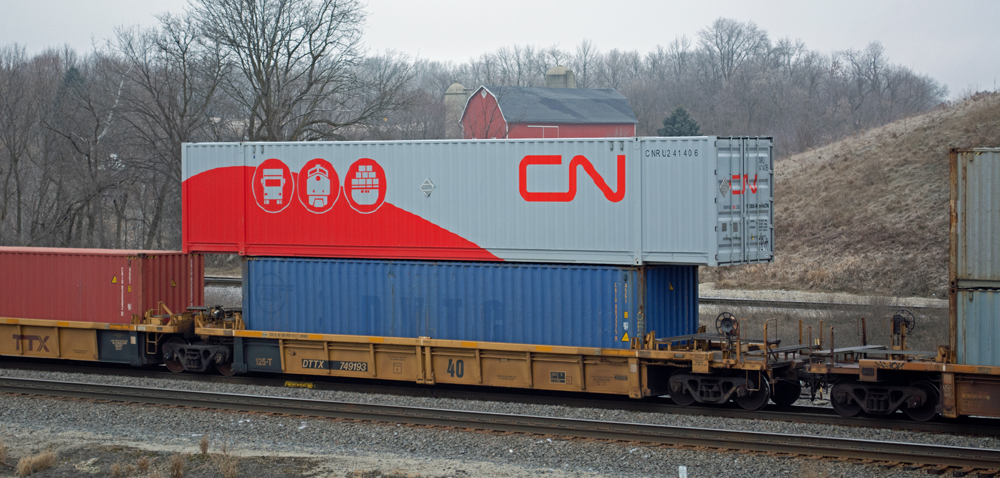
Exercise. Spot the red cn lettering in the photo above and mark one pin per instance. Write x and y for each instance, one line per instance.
(579, 160)
(744, 180)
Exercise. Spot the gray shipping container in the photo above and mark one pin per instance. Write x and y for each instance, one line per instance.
(620, 201)
(975, 218)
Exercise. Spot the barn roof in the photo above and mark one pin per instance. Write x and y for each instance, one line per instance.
(521, 104)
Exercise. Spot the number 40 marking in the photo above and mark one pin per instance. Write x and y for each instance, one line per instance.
(456, 368)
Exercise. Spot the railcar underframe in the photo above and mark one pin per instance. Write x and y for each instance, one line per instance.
(706, 367)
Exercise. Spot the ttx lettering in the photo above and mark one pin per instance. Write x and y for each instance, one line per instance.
(31, 342)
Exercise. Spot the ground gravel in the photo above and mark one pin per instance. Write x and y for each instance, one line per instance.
(343, 448)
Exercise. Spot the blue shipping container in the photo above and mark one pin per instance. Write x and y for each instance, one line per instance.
(545, 304)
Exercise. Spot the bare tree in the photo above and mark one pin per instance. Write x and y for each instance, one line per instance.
(381, 92)
(553, 56)
(18, 118)
(171, 84)
(731, 44)
(583, 62)
(292, 59)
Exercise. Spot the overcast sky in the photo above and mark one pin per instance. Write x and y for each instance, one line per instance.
(953, 41)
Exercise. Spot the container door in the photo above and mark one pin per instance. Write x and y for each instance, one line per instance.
(978, 329)
(745, 199)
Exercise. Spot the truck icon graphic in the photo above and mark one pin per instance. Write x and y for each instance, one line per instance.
(364, 186)
(318, 186)
(273, 181)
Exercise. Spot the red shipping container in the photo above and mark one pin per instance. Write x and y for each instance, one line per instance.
(97, 285)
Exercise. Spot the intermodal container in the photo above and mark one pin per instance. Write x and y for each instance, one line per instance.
(975, 217)
(978, 326)
(621, 201)
(97, 285)
(571, 305)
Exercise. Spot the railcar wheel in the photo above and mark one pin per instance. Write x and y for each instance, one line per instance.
(225, 369)
(754, 399)
(678, 394)
(926, 410)
(786, 392)
(174, 364)
(841, 400)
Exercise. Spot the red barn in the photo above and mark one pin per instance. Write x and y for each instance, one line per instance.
(523, 112)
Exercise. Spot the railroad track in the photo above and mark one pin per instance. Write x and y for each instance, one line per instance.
(801, 414)
(220, 281)
(943, 457)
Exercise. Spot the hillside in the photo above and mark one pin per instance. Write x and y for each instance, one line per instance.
(869, 214)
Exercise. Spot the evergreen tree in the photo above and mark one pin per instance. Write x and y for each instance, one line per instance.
(679, 123)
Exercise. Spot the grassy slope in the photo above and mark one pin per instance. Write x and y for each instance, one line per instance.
(869, 214)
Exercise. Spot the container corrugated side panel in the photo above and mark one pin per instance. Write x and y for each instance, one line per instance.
(89, 285)
(64, 285)
(677, 207)
(476, 196)
(672, 300)
(978, 241)
(177, 280)
(482, 206)
(587, 306)
(213, 232)
(978, 327)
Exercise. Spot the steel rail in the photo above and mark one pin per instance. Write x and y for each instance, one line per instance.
(827, 447)
(965, 426)
(223, 281)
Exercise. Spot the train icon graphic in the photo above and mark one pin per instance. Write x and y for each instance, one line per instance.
(318, 186)
(273, 181)
(365, 186)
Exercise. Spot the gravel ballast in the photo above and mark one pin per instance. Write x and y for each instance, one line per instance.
(345, 447)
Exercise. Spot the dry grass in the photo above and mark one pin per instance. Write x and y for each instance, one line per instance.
(33, 464)
(176, 465)
(869, 214)
(203, 445)
(227, 464)
(117, 470)
(3, 452)
(143, 464)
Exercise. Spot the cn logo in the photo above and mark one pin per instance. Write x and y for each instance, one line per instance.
(739, 185)
(578, 160)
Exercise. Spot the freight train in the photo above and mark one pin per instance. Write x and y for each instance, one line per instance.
(495, 263)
